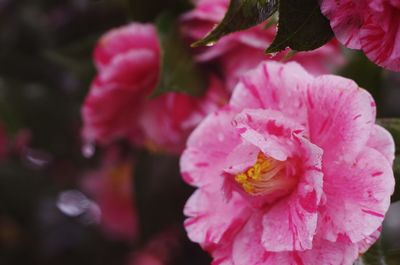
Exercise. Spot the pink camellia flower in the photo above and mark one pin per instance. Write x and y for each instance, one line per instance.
(370, 25)
(241, 51)
(111, 188)
(293, 170)
(118, 104)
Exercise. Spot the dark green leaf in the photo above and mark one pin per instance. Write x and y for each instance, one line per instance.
(179, 72)
(241, 14)
(301, 26)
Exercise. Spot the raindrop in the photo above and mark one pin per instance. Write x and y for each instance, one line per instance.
(88, 150)
(37, 158)
(73, 203)
(273, 54)
(210, 44)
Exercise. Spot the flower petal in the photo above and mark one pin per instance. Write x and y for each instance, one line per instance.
(366, 243)
(269, 130)
(382, 141)
(357, 210)
(212, 217)
(333, 253)
(105, 113)
(136, 68)
(207, 148)
(274, 86)
(247, 249)
(340, 117)
(346, 17)
(167, 120)
(124, 39)
(290, 224)
(380, 36)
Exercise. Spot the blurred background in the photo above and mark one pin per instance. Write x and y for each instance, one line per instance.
(54, 200)
(56, 204)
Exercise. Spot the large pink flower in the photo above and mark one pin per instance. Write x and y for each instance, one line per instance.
(292, 171)
(241, 51)
(118, 107)
(370, 25)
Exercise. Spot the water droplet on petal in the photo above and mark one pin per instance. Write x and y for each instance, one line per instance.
(273, 54)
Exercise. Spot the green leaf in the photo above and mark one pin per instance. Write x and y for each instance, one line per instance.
(241, 14)
(179, 72)
(302, 27)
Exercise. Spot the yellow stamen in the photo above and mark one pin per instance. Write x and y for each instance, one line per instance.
(265, 176)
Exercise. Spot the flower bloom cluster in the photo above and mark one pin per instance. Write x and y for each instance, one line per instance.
(293, 170)
(370, 25)
(118, 105)
(242, 51)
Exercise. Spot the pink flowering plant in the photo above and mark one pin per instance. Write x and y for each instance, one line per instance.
(118, 104)
(222, 132)
(243, 50)
(288, 162)
(298, 173)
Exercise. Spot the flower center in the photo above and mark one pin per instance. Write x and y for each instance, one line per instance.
(266, 177)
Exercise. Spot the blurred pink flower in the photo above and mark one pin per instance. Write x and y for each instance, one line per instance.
(112, 189)
(370, 25)
(118, 107)
(241, 51)
(161, 250)
(293, 171)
